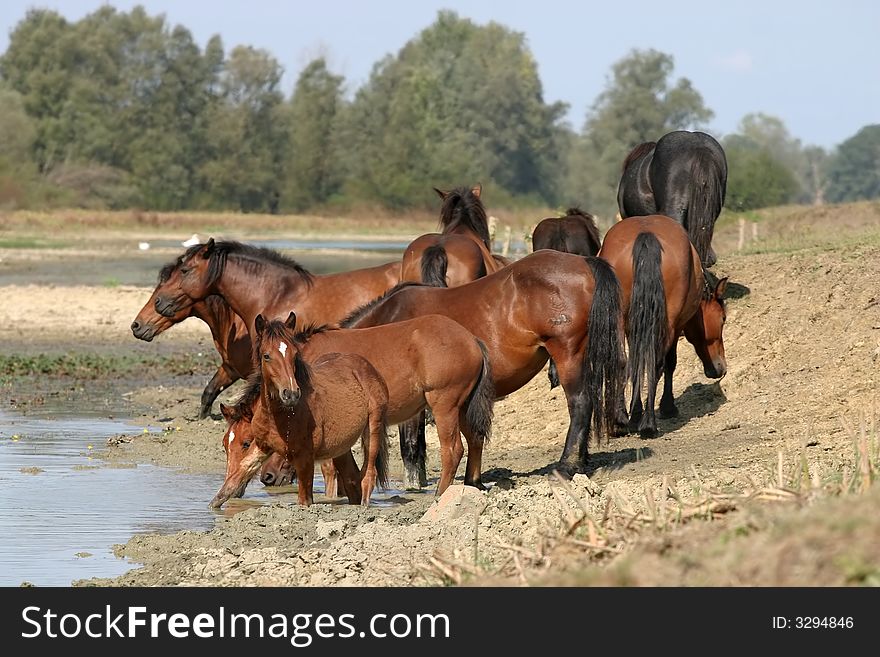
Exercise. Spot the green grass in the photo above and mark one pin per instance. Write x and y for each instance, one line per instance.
(90, 365)
(30, 243)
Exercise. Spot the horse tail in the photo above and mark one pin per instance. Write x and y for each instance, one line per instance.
(604, 358)
(708, 184)
(434, 264)
(647, 327)
(480, 405)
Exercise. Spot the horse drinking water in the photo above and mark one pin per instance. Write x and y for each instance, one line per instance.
(666, 293)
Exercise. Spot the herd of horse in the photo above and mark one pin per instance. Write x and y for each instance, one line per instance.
(452, 327)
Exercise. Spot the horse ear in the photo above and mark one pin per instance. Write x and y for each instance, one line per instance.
(227, 411)
(477, 189)
(721, 288)
(246, 411)
(209, 249)
(259, 323)
(441, 193)
(290, 322)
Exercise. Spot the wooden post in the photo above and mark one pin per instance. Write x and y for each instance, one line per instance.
(742, 234)
(507, 234)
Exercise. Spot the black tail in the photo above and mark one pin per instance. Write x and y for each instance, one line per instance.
(604, 358)
(708, 187)
(647, 327)
(481, 402)
(434, 264)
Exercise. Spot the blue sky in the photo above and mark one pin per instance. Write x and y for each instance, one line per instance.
(814, 64)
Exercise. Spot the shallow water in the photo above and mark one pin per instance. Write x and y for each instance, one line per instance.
(62, 508)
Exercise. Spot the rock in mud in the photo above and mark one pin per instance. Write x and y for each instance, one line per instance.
(456, 502)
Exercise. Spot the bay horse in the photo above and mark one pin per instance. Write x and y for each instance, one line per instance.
(547, 304)
(683, 176)
(461, 252)
(255, 280)
(308, 411)
(428, 361)
(575, 232)
(666, 293)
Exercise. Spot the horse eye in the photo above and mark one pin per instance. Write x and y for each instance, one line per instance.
(184, 270)
(265, 356)
(246, 444)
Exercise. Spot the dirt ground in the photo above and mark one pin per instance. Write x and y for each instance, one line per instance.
(741, 489)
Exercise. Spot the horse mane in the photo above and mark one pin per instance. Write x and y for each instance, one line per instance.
(278, 330)
(711, 283)
(592, 228)
(253, 255)
(461, 207)
(249, 396)
(358, 313)
(639, 151)
(302, 336)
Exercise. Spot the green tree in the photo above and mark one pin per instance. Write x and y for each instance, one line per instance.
(17, 135)
(460, 103)
(639, 103)
(246, 134)
(854, 171)
(756, 179)
(314, 172)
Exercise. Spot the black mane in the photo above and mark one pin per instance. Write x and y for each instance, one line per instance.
(253, 255)
(358, 313)
(243, 406)
(461, 207)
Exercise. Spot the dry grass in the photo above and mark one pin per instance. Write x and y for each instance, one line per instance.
(588, 538)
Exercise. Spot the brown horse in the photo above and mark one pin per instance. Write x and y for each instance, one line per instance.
(311, 426)
(461, 252)
(255, 280)
(576, 232)
(429, 361)
(666, 293)
(547, 304)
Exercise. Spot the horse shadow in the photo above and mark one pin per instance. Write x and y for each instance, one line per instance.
(697, 400)
(608, 460)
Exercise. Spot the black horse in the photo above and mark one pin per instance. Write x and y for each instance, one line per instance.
(684, 176)
(576, 233)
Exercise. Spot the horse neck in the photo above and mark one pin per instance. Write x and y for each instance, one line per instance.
(462, 229)
(271, 290)
(218, 317)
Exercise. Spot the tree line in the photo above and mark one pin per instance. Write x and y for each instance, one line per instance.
(123, 110)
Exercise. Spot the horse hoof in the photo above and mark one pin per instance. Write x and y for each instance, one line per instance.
(648, 432)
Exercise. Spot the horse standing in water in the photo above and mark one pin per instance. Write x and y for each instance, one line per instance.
(547, 304)
(461, 252)
(576, 232)
(683, 176)
(306, 412)
(666, 293)
(428, 361)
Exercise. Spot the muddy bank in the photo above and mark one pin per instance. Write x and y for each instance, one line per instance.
(800, 360)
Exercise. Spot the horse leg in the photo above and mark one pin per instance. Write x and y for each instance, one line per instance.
(350, 475)
(667, 401)
(574, 454)
(222, 379)
(451, 447)
(305, 475)
(329, 474)
(369, 473)
(473, 467)
(413, 450)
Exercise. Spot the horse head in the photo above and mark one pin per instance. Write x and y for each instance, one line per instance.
(704, 330)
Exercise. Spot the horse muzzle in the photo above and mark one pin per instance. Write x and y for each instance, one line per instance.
(143, 331)
(289, 397)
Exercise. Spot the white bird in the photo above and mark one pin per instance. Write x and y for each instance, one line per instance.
(192, 241)
(143, 246)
